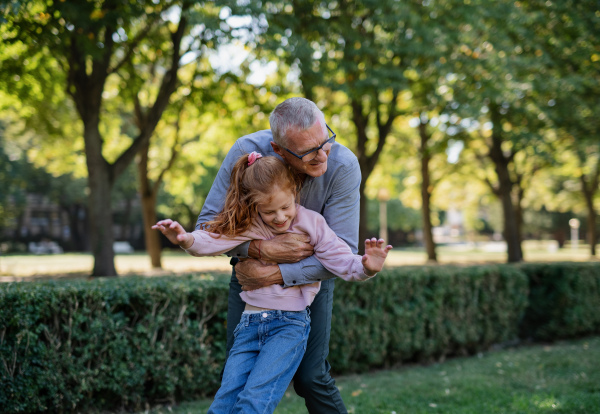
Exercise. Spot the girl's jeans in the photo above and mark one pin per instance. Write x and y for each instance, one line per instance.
(267, 349)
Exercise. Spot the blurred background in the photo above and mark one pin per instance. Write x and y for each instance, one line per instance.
(476, 123)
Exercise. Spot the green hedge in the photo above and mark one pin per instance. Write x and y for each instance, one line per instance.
(113, 343)
(422, 313)
(564, 301)
(124, 343)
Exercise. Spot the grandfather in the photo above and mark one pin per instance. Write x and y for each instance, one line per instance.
(331, 174)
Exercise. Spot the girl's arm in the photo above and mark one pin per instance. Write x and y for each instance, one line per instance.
(375, 253)
(335, 254)
(174, 232)
(200, 242)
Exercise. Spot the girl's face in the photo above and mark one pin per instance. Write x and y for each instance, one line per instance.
(279, 210)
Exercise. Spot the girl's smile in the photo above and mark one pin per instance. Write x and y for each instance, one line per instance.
(279, 211)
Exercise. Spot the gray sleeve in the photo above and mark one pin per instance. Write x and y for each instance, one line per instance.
(342, 214)
(216, 196)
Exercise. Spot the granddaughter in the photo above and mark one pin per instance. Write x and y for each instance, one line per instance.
(270, 340)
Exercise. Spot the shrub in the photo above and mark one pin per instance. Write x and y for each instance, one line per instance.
(109, 343)
(564, 300)
(127, 342)
(422, 313)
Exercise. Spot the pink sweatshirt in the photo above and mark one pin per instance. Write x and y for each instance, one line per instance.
(331, 251)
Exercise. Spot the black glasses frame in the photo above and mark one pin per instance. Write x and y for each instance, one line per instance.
(331, 139)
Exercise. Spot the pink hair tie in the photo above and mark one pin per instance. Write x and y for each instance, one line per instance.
(253, 157)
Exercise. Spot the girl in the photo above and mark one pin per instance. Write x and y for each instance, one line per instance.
(270, 340)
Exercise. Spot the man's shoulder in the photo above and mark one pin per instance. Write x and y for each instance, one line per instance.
(257, 141)
(343, 156)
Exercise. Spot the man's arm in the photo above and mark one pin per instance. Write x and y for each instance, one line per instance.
(342, 214)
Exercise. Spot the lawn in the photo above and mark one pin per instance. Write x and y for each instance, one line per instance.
(32, 267)
(563, 377)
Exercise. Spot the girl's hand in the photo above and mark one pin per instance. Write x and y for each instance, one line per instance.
(175, 233)
(375, 254)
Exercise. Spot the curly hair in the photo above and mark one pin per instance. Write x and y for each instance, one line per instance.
(250, 186)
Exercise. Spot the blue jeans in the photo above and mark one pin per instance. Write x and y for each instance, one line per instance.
(267, 349)
(312, 381)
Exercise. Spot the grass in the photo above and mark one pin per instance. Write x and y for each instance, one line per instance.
(563, 377)
(74, 265)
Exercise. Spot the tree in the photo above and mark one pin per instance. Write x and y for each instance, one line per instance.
(355, 55)
(172, 126)
(86, 46)
(569, 34)
(495, 86)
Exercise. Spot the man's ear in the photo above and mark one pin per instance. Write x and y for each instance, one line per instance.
(278, 150)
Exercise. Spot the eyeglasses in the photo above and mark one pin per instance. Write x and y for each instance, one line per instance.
(312, 154)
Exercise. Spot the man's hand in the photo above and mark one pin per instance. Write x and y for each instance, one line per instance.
(253, 275)
(284, 248)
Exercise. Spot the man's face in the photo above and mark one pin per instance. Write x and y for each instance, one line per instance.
(301, 142)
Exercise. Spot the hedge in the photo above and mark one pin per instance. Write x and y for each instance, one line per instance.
(424, 313)
(127, 342)
(564, 301)
(109, 343)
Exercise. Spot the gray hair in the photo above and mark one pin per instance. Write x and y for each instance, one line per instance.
(294, 114)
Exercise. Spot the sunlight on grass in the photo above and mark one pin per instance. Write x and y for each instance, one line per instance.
(79, 264)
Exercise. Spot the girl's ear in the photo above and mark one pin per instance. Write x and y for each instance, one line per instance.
(278, 150)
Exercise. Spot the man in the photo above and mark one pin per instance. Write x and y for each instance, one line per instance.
(300, 136)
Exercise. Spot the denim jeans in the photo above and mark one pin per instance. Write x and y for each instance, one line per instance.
(312, 381)
(267, 349)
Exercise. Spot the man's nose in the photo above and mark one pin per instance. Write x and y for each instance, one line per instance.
(321, 155)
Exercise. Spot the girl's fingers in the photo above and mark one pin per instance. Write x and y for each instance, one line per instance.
(378, 243)
(371, 242)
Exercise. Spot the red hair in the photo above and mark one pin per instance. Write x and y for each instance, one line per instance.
(250, 186)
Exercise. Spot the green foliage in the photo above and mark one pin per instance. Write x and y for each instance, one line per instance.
(123, 343)
(563, 302)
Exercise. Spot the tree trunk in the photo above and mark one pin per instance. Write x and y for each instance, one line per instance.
(148, 195)
(151, 237)
(520, 215)
(367, 162)
(591, 230)
(505, 187)
(588, 193)
(426, 190)
(100, 217)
